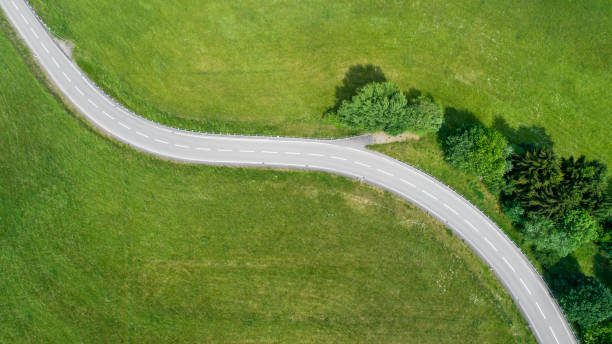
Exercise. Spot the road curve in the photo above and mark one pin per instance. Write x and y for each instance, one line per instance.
(345, 157)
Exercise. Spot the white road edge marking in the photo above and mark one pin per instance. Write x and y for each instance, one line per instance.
(143, 135)
(540, 309)
(553, 333)
(407, 182)
(451, 209)
(107, 115)
(161, 141)
(490, 244)
(430, 195)
(525, 285)
(508, 263)
(471, 225)
(362, 164)
(125, 126)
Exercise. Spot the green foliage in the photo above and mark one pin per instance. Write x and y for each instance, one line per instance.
(564, 237)
(425, 115)
(376, 106)
(583, 185)
(479, 150)
(600, 333)
(584, 299)
(534, 180)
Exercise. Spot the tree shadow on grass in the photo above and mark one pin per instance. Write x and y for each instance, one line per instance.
(355, 78)
(523, 138)
(603, 269)
(455, 119)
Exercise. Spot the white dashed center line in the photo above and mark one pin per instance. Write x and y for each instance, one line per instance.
(490, 244)
(292, 153)
(143, 135)
(54, 62)
(553, 333)
(269, 152)
(508, 263)
(15, 5)
(540, 309)
(525, 285)
(338, 158)
(92, 103)
(203, 149)
(384, 172)
(79, 90)
(107, 115)
(66, 76)
(471, 225)
(25, 20)
(407, 182)
(314, 154)
(430, 195)
(125, 126)
(34, 33)
(161, 141)
(223, 150)
(181, 146)
(44, 47)
(246, 151)
(362, 164)
(451, 209)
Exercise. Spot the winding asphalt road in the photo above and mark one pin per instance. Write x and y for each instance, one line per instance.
(346, 157)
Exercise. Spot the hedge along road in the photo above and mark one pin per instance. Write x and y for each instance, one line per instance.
(346, 157)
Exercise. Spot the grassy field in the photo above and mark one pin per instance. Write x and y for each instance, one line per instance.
(426, 154)
(99, 243)
(273, 67)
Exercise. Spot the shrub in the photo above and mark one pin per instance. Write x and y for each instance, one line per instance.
(425, 115)
(479, 150)
(376, 106)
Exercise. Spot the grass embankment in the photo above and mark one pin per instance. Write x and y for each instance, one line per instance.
(99, 243)
(427, 155)
(273, 66)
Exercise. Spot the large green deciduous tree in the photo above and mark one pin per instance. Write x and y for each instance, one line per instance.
(563, 237)
(482, 151)
(376, 106)
(585, 300)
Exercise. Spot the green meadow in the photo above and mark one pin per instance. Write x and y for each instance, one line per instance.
(272, 67)
(100, 243)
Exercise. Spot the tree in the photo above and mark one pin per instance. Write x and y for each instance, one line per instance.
(564, 237)
(425, 115)
(376, 106)
(534, 181)
(584, 185)
(600, 333)
(584, 299)
(482, 151)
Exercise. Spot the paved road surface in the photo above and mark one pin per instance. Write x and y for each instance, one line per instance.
(345, 157)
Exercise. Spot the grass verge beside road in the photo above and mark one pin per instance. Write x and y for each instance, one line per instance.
(99, 243)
